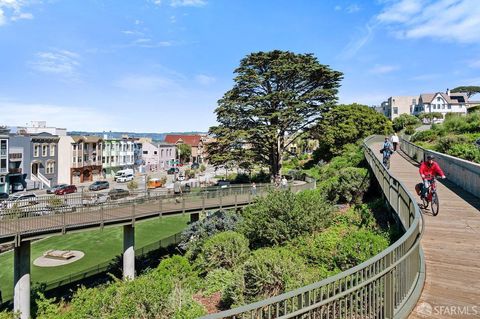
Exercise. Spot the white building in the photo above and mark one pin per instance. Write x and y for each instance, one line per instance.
(442, 103)
(37, 127)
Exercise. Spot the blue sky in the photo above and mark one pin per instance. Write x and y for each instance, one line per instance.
(157, 66)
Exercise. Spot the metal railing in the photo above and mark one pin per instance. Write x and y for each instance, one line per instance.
(39, 216)
(386, 286)
(463, 173)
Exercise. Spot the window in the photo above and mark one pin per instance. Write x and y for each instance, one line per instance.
(155, 152)
(145, 152)
(161, 153)
(449, 106)
(3, 163)
(52, 149)
(74, 159)
(44, 150)
(103, 159)
(395, 110)
(36, 150)
(438, 99)
(50, 167)
(74, 147)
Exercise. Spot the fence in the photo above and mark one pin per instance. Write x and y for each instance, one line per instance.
(102, 267)
(39, 217)
(463, 173)
(386, 286)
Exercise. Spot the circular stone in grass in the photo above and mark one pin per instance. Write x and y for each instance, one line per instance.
(50, 260)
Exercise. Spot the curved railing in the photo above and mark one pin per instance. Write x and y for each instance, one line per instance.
(37, 218)
(386, 286)
(463, 173)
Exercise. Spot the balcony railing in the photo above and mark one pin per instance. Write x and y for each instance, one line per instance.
(3, 170)
(15, 156)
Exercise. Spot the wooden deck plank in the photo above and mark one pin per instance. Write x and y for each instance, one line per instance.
(451, 244)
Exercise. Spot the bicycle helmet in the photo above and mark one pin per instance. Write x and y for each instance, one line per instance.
(430, 157)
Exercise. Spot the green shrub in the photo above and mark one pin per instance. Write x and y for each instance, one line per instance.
(469, 152)
(405, 121)
(410, 130)
(193, 236)
(447, 142)
(218, 280)
(224, 250)
(347, 186)
(282, 215)
(425, 136)
(272, 271)
(357, 247)
(132, 185)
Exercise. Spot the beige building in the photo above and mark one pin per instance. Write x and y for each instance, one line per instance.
(394, 106)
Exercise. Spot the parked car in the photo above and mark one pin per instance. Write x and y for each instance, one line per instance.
(3, 196)
(173, 170)
(51, 210)
(17, 187)
(94, 199)
(118, 193)
(20, 200)
(53, 189)
(195, 166)
(68, 189)
(125, 178)
(98, 185)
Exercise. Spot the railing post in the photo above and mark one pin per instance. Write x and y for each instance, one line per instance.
(203, 201)
(102, 217)
(64, 226)
(183, 204)
(133, 213)
(160, 214)
(389, 295)
(221, 202)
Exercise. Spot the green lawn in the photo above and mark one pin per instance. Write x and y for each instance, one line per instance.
(99, 246)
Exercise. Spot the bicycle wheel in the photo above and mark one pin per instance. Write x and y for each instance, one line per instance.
(435, 204)
(425, 202)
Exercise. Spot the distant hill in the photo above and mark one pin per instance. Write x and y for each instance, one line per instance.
(153, 136)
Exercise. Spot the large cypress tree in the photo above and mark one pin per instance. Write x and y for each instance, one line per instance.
(276, 94)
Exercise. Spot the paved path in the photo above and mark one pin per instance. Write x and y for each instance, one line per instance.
(451, 244)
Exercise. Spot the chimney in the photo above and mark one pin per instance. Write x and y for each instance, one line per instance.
(448, 92)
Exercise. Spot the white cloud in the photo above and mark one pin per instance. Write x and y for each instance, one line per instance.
(356, 44)
(188, 3)
(71, 117)
(446, 20)
(383, 69)
(204, 79)
(352, 8)
(12, 10)
(61, 62)
(138, 82)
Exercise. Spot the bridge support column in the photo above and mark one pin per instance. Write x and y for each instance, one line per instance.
(128, 252)
(21, 277)
(195, 217)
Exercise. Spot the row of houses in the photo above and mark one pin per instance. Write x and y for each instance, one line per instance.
(438, 102)
(38, 156)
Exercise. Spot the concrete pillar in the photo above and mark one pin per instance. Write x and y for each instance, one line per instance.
(194, 217)
(128, 252)
(21, 277)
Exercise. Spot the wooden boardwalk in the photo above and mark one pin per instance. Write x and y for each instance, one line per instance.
(451, 244)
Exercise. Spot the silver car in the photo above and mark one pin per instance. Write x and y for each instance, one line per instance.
(95, 199)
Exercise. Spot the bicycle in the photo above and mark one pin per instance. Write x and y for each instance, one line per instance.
(431, 197)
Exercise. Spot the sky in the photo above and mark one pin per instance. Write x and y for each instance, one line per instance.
(162, 65)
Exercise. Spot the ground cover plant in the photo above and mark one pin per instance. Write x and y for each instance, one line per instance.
(456, 136)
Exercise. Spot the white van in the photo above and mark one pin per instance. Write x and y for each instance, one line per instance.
(125, 178)
(123, 173)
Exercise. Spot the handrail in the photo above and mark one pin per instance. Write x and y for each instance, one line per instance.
(463, 173)
(39, 217)
(386, 286)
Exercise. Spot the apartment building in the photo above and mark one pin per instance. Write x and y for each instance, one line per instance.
(117, 154)
(4, 159)
(38, 159)
(80, 159)
(158, 156)
(394, 106)
(167, 153)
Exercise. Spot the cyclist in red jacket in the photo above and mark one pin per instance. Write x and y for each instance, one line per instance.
(428, 170)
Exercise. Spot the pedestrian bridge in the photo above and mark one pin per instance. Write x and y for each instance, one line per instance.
(431, 277)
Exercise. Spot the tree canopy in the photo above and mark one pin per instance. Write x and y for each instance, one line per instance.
(470, 90)
(404, 120)
(185, 151)
(276, 94)
(345, 124)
